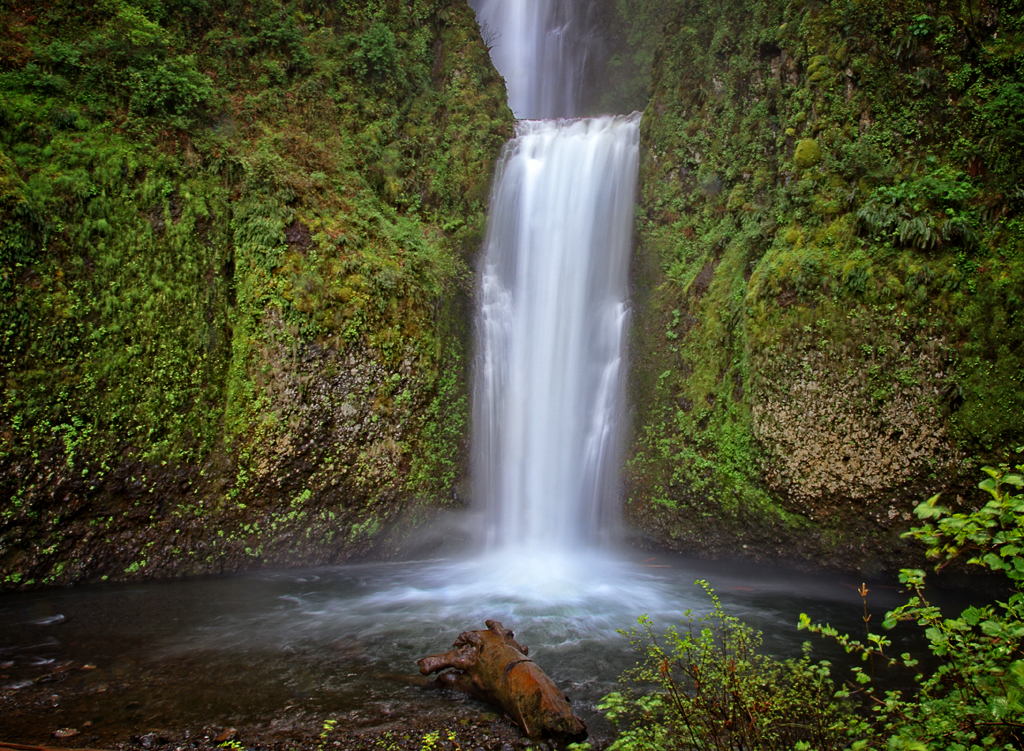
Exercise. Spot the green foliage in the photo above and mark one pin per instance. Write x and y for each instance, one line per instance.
(328, 728)
(714, 690)
(378, 51)
(212, 213)
(707, 687)
(174, 87)
(126, 57)
(973, 698)
(925, 212)
(905, 231)
(431, 741)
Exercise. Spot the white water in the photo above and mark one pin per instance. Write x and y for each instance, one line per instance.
(537, 46)
(551, 331)
(553, 313)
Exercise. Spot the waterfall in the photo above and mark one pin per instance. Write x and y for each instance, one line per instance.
(551, 327)
(552, 310)
(538, 46)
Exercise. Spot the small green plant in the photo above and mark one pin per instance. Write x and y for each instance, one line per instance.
(922, 25)
(432, 741)
(974, 698)
(714, 690)
(327, 729)
(925, 212)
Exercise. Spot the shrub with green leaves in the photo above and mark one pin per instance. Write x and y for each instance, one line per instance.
(709, 688)
(974, 697)
(713, 689)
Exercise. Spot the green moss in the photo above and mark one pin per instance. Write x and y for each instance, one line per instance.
(807, 153)
(232, 240)
(872, 290)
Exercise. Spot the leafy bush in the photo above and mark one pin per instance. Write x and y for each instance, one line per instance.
(379, 50)
(715, 691)
(974, 698)
(173, 87)
(712, 690)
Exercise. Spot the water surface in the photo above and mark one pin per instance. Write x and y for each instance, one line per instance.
(342, 641)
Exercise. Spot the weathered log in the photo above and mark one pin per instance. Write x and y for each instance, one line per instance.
(492, 666)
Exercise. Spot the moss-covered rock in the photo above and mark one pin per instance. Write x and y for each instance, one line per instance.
(234, 281)
(807, 153)
(829, 323)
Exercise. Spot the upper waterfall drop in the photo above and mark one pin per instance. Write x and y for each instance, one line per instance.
(551, 328)
(538, 47)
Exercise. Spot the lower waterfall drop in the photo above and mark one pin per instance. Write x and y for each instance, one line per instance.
(551, 330)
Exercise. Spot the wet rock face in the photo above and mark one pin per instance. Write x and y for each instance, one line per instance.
(806, 369)
(829, 442)
(337, 459)
(264, 361)
(339, 417)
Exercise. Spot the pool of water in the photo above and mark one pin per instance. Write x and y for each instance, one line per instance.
(343, 641)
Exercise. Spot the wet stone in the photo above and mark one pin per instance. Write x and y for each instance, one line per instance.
(65, 733)
(227, 734)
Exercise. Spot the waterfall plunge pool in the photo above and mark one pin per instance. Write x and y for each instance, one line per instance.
(340, 642)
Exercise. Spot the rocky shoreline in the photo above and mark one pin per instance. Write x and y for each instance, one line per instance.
(31, 718)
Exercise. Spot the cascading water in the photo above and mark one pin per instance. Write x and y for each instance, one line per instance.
(537, 45)
(552, 317)
(551, 328)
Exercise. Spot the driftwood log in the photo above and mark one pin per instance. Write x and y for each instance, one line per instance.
(493, 667)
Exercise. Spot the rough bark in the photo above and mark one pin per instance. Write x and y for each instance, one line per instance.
(492, 666)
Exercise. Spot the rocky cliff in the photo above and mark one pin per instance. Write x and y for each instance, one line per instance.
(830, 269)
(234, 245)
(234, 269)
